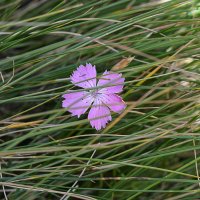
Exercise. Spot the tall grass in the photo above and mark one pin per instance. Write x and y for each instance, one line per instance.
(150, 151)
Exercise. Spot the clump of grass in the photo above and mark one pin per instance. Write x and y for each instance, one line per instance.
(150, 151)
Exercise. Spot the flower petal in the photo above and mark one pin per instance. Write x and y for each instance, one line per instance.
(84, 76)
(77, 102)
(99, 115)
(114, 102)
(111, 78)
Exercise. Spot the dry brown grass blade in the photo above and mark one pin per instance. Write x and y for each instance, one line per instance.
(122, 64)
(22, 124)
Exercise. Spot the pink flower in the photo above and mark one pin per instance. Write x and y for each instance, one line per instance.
(101, 95)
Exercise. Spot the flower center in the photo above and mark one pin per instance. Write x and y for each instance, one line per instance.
(94, 93)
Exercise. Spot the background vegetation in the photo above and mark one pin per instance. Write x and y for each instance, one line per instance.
(150, 151)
